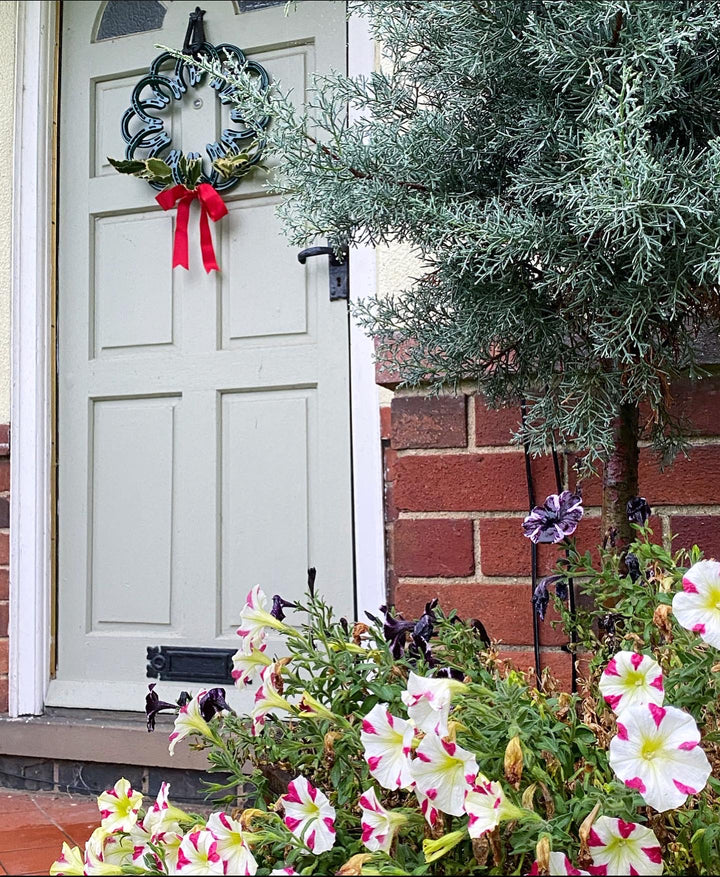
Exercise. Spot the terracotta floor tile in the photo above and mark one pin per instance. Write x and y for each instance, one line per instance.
(37, 836)
(19, 819)
(30, 861)
(16, 803)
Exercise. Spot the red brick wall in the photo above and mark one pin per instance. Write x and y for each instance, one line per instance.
(4, 561)
(456, 493)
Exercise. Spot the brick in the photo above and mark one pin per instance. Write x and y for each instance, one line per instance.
(505, 551)
(505, 610)
(4, 584)
(696, 402)
(469, 482)
(693, 481)
(4, 617)
(702, 530)
(4, 440)
(494, 426)
(4, 549)
(384, 421)
(433, 548)
(428, 422)
(4, 649)
(560, 664)
(4, 475)
(3, 695)
(4, 513)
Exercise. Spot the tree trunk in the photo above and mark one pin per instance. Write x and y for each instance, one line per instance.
(620, 479)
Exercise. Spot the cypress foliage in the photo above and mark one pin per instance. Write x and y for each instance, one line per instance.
(556, 167)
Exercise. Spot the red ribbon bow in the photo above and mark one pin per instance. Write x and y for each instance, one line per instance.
(211, 204)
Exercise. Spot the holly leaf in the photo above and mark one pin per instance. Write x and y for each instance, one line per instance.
(124, 166)
(158, 168)
(194, 172)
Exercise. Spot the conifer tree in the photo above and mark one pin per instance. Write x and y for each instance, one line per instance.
(555, 164)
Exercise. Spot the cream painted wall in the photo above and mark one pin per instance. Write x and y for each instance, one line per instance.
(8, 11)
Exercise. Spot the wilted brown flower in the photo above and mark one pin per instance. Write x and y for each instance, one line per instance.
(514, 762)
(354, 865)
(661, 620)
(542, 855)
(358, 631)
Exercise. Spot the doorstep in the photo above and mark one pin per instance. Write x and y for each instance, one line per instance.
(96, 736)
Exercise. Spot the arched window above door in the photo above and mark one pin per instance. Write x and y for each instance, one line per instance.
(123, 17)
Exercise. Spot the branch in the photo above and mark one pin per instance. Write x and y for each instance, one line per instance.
(616, 30)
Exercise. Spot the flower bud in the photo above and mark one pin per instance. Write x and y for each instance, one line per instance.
(514, 762)
(584, 857)
(354, 865)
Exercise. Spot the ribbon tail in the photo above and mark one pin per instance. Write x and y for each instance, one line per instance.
(180, 245)
(206, 242)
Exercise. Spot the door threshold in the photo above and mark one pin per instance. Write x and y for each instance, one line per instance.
(101, 736)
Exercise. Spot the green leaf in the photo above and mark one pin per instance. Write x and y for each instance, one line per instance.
(125, 166)
(158, 168)
(194, 172)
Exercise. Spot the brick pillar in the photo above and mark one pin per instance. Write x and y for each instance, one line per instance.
(4, 561)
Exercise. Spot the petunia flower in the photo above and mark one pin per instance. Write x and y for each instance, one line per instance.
(233, 850)
(631, 679)
(153, 706)
(278, 605)
(119, 807)
(559, 865)
(387, 741)
(541, 599)
(248, 663)
(656, 752)
(619, 847)
(379, 825)
(395, 630)
(107, 852)
(309, 815)
(70, 863)
(163, 817)
(638, 510)
(428, 702)
(268, 697)
(427, 807)
(555, 519)
(290, 872)
(212, 702)
(697, 606)
(486, 806)
(198, 854)
(256, 619)
(189, 721)
(445, 772)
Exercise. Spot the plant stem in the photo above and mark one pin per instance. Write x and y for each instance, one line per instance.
(620, 479)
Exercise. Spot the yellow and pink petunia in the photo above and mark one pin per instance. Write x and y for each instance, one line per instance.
(631, 679)
(189, 721)
(231, 846)
(248, 663)
(697, 606)
(560, 866)
(445, 772)
(198, 854)
(656, 752)
(268, 697)
(387, 742)
(256, 620)
(619, 847)
(309, 815)
(428, 702)
(70, 863)
(119, 807)
(486, 806)
(379, 825)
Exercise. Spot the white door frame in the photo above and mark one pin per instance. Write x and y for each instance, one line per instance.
(32, 362)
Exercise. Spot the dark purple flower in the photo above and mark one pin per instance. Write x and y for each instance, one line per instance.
(395, 631)
(479, 628)
(638, 510)
(561, 588)
(153, 706)
(213, 702)
(632, 564)
(425, 626)
(541, 598)
(557, 518)
(278, 605)
(449, 673)
(312, 573)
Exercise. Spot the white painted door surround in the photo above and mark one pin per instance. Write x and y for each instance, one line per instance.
(140, 422)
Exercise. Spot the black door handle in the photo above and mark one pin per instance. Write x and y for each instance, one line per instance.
(338, 271)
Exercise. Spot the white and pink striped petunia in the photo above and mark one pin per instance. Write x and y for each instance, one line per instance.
(69, 864)
(248, 663)
(697, 606)
(255, 619)
(486, 806)
(656, 752)
(387, 742)
(268, 697)
(198, 854)
(379, 825)
(428, 702)
(309, 815)
(445, 772)
(233, 850)
(119, 807)
(631, 679)
(189, 721)
(427, 808)
(619, 847)
(560, 866)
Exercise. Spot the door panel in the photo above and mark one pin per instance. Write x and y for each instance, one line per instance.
(203, 434)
